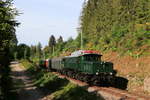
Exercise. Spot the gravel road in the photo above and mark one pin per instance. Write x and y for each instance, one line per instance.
(24, 84)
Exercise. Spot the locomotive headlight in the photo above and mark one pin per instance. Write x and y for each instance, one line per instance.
(96, 73)
(111, 73)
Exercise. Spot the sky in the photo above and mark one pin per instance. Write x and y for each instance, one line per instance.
(42, 18)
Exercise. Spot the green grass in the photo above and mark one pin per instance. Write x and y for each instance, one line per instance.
(74, 92)
(29, 66)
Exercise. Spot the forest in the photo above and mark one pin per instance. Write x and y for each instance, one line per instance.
(116, 25)
(121, 26)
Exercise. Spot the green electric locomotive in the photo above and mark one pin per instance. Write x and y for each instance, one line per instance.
(88, 62)
(84, 65)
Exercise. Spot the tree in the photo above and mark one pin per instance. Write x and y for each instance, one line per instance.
(7, 24)
(7, 39)
(32, 51)
(60, 40)
(39, 50)
(60, 44)
(46, 51)
(52, 43)
(23, 51)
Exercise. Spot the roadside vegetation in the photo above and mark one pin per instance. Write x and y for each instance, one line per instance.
(57, 88)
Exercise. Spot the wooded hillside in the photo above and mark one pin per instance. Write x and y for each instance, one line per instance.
(116, 25)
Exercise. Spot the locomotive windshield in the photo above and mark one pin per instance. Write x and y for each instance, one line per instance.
(92, 57)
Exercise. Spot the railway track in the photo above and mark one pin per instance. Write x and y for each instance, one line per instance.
(108, 93)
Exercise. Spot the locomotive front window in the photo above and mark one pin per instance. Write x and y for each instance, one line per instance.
(92, 57)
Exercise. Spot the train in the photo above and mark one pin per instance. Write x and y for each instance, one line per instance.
(84, 65)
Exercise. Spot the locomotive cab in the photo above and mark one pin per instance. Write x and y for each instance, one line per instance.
(92, 63)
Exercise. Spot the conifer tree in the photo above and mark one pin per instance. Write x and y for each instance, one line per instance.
(60, 40)
(52, 43)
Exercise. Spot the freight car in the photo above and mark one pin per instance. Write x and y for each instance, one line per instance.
(84, 65)
(42, 64)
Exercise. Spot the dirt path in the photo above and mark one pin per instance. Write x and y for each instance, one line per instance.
(24, 84)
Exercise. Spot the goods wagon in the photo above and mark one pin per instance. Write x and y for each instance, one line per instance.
(57, 63)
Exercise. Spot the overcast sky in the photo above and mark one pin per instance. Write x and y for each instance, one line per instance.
(42, 18)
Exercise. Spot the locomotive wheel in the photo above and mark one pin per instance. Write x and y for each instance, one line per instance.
(73, 75)
(70, 74)
(77, 76)
(86, 78)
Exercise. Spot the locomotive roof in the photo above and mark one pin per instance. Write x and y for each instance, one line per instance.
(84, 52)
